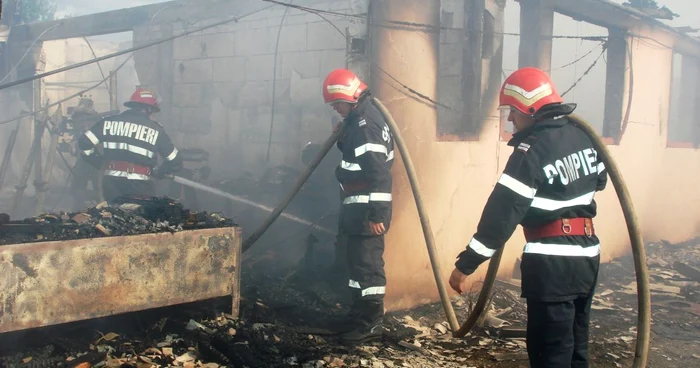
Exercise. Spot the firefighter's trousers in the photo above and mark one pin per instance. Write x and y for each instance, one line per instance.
(367, 280)
(557, 333)
(83, 173)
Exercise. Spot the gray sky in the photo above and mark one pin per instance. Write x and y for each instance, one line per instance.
(81, 7)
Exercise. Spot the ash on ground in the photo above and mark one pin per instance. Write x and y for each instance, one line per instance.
(124, 216)
(280, 315)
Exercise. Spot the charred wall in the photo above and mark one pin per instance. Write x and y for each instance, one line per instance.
(470, 62)
(250, 92)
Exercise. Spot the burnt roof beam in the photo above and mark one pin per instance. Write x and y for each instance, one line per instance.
(608, 14)
(115, 21)
(125, 20)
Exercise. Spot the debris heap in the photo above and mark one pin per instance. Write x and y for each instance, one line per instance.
(674, 280)
(276, 329)
(125, 216)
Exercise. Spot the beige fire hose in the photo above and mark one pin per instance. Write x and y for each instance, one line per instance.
(638, 251)
(424, 221)
(643, 296)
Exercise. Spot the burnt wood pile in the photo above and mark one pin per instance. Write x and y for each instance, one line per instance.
(125, 216)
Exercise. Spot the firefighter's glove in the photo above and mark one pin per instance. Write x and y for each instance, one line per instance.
(158, 173)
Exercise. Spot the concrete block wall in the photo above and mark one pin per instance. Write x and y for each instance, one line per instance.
(222, 93)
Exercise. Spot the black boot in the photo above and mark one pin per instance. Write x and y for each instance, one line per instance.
(348, 322)
(363, 334)
(368, 327)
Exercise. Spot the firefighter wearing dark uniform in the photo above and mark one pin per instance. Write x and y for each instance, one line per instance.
(548, 187)
(364, 174)
(126, 147)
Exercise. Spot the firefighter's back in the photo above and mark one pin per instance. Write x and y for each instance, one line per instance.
(558, 264)
(131, 137)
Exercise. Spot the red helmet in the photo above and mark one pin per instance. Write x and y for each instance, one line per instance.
(143, 97)
(527, 90)
(342, 85)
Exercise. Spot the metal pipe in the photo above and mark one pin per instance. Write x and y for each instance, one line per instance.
(9, 148)
(48, 169)
(27, 169)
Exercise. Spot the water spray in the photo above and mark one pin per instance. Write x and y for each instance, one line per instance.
(221, 193)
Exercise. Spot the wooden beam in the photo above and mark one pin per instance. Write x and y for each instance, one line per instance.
(603, 13)
(125, 20)
(115, 21)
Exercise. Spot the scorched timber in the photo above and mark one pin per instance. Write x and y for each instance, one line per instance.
(142, 254)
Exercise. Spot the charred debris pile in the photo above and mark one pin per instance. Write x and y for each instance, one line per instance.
(124, 216)
(269, 333)
(276, 327)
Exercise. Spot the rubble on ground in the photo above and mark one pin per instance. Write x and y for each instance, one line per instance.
(276, 327)
(126, 216)
(673, 293)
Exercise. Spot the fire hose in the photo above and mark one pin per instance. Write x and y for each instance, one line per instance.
(638, 250)
(422, 214)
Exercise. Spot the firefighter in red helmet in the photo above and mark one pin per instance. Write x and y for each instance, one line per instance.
(548, 187)
(364, 174)
(127, 146)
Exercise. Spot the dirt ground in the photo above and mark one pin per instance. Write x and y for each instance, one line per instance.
(281, 316)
